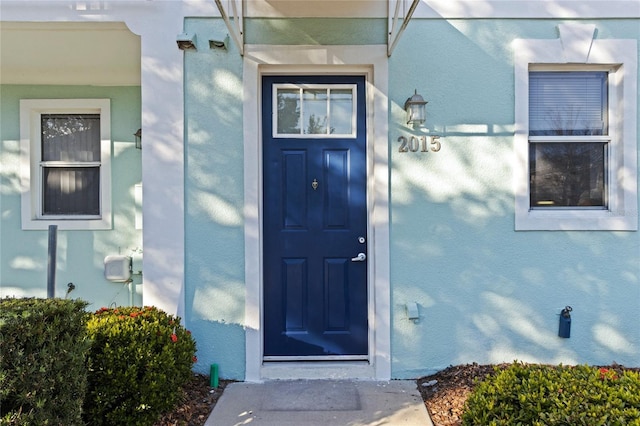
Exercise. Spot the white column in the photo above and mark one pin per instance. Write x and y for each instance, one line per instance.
(162, 155)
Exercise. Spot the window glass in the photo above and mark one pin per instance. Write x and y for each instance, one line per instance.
(288, 107)
(568, 174)
(70, 137)
(70, 164)
(341, 113)
(71, 191)
(567, 166)
(315, 111)
(568, 103)
(315, 104)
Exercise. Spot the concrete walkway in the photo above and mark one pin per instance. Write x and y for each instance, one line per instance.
(320, 402)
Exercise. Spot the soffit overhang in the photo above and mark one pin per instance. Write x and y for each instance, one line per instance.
(397, 12)
(69, 53)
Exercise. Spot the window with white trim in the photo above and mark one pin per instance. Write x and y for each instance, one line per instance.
(66, 151)
(575, 144)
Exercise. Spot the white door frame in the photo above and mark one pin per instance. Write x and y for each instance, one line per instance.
(370, 61)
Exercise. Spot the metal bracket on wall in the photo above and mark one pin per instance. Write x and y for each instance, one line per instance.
(236, 29)
(394, 32)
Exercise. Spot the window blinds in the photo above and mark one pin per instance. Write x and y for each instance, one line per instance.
(567, 103)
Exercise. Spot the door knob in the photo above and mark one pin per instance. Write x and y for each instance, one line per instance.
(361, 257)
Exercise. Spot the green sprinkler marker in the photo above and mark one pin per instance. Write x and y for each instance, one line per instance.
(213, 378)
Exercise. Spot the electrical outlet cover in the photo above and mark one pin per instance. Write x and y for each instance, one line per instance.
(412, 311)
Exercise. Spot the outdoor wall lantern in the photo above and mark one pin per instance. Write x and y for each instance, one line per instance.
(138, 136)
(415, 108)
(186, 41)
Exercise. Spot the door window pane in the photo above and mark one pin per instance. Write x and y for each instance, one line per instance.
(568, 174)
(314, 105)
(341, 113)
(288, 116)
(315, 111)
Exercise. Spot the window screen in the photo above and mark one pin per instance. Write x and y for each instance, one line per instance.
(70, 166)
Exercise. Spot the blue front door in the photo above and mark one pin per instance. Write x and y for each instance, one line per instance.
(315, 217)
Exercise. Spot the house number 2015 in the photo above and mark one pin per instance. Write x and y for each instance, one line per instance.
(419, 143)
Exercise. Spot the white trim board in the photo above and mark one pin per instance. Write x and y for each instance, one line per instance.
(527, 9)
(447, 9)
(370, 61)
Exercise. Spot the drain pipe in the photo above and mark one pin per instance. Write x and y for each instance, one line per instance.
(51, 265)
(131, 290)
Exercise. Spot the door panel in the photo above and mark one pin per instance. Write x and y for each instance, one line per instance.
(315, 295)
(337, 295)
(294, 192)
(336, 176)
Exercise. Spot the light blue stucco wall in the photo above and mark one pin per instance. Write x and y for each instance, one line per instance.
(314, 31)
(214, 224)
(80, 254)
(486, 293)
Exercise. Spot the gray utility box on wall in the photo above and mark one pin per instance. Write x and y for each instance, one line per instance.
(117, 268)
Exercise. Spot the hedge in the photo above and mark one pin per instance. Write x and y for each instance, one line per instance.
(138, 362)
(43, 376)
(540, 395)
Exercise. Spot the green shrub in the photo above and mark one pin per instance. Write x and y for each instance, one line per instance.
(43, 375)
(545, 395)
(139, 359)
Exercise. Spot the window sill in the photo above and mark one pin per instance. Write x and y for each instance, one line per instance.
(575, 220)
(67, 224)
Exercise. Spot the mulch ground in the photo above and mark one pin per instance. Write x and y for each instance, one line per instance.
(198, 399)
(444, 394)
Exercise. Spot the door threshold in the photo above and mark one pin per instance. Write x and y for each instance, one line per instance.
(334, 370)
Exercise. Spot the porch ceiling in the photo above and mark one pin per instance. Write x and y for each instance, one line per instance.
(64, 53)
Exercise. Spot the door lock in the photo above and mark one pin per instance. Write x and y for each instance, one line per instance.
(361, 257)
